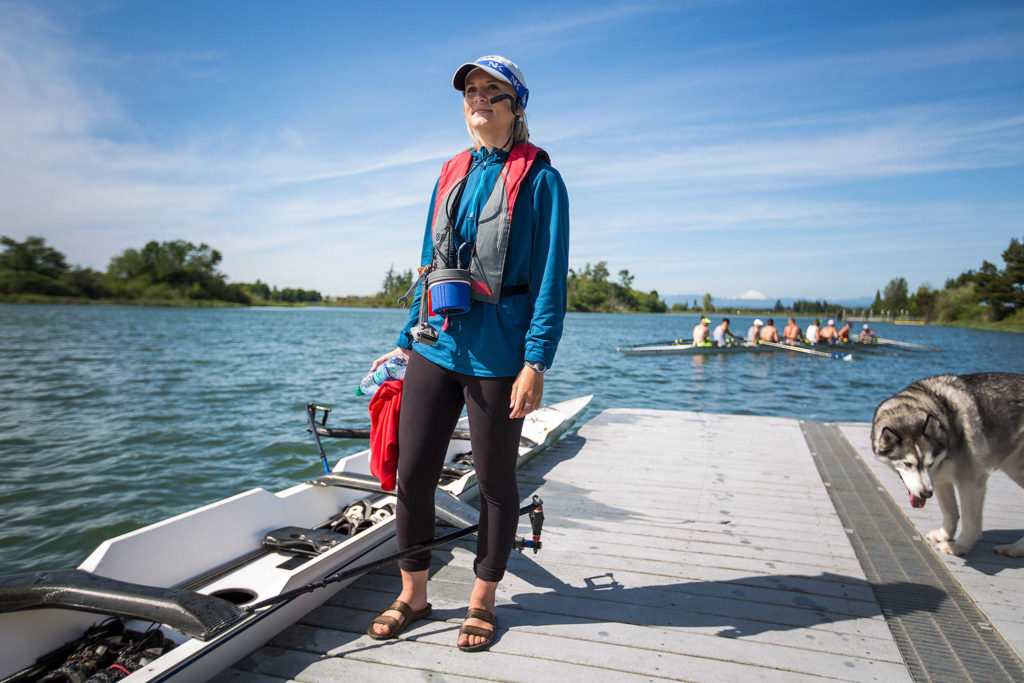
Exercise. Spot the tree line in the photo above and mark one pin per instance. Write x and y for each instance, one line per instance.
(988, 294)
(798, 307)
(175, 271)
(180, 271)
(591, 291)
(393, 288)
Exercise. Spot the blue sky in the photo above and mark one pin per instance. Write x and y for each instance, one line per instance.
(798, 149)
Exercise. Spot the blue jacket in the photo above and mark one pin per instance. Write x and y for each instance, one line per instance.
(493, 340)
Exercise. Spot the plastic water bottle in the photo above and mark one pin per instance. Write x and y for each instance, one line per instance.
(392, 368)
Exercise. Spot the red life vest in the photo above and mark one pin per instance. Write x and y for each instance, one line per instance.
(487, 264)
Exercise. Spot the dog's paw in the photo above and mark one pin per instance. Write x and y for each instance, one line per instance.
(951, 548)
(1011, 550)
(938, 536)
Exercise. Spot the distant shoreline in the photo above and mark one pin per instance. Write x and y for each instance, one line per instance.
(1012, 324)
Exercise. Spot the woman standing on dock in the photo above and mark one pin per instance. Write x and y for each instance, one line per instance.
(500, 211)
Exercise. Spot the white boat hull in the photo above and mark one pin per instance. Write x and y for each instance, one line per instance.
(174, 552)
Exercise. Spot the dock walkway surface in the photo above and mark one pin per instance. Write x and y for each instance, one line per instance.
(703, 547)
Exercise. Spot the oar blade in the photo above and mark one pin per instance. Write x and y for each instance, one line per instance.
(906, 345)
(663, 342)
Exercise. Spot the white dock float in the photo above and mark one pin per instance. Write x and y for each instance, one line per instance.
(677, 546)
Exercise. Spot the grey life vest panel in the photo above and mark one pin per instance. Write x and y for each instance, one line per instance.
(487, 262)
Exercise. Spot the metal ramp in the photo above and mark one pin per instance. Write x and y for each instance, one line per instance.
(941, 640)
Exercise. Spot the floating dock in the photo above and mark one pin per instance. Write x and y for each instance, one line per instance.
(700, 547)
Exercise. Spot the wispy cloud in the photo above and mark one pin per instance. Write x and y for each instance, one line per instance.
(564, 23)
(898, 148)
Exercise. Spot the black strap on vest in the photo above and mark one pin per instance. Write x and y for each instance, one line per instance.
(514, 290)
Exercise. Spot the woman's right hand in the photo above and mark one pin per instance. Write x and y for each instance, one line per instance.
(398, 350)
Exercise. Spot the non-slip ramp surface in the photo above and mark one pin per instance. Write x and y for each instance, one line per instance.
(940, 630)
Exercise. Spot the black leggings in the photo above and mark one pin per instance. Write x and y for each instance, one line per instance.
(432, 400)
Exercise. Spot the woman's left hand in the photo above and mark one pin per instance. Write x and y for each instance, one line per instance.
(527, 393)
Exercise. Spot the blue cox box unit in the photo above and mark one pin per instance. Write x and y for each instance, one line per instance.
(449, 291)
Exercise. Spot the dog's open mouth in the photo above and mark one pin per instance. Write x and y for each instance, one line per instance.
(916, 501)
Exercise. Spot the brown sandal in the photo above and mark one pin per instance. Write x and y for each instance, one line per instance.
(409, 615)
(482, 615)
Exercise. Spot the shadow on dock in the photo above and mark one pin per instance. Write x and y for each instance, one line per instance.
(769, 603)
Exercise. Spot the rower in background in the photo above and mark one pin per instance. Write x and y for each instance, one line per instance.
(828, 334)
(792, 333)
(769, 333)
(844, 332)
(753, 334)
(866, 335)
(723, 336)
(700, 332)
(812, 331)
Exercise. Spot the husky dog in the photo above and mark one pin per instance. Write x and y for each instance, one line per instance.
(952, 430)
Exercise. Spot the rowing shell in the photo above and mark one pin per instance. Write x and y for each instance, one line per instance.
(688, 349)
(215, 556)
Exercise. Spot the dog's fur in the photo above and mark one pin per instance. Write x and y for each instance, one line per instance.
(952, 430)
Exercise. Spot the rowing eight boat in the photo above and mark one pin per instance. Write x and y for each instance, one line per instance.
(689, 349)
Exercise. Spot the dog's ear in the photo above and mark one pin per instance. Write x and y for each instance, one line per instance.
(886, 440)
(933, 428)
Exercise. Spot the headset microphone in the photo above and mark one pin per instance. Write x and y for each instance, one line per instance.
(499, 98)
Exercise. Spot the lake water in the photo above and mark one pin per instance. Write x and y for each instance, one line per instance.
(115, 417)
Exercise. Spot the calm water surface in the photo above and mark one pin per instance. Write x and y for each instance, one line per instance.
(115, 417)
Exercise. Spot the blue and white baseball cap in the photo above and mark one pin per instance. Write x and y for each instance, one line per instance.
(499, 67)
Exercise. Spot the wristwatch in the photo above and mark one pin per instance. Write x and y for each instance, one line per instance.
(539, 368)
